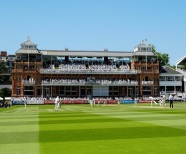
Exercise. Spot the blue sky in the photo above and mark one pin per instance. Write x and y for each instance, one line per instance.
(118, 25)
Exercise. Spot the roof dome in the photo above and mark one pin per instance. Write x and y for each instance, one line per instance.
(28, 44)
(28, 47)
(143, 47)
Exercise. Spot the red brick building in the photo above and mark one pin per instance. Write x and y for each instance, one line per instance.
(71, 73)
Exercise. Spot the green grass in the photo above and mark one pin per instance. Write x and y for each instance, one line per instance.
(80, 129)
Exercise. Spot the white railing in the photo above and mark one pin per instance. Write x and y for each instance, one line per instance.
(28, 81)
(147, 82)
(84, 82)
(67, 71)
(63, 82)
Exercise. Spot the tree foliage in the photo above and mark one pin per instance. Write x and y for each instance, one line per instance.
(2, 78)
(163, 58)
(5, 92)
(3, 67)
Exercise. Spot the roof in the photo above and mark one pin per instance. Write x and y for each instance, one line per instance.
(181, 61)
(31, 48)
(87, 53)
(168, 70)
(144, 44)
(26, 51)
(144, 53)
(28, 47)
(77, 53)
(28, 43)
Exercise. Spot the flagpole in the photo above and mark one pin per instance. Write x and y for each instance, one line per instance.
(146, 56)
(28, 54)
(28, 57)
(146, 52)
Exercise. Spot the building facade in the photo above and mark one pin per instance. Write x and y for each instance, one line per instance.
(171, 81)
(181, 67)
(69, 73)
(6, 65)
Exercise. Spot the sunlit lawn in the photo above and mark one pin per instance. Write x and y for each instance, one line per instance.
(80, 129)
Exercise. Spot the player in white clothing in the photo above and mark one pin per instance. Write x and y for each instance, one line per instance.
(56, 103)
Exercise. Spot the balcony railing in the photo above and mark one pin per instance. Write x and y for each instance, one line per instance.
(30, 61)
(25, 70)
(148, 71)
(96, 82)
(82, 71)
(147, 82)
(28, 82)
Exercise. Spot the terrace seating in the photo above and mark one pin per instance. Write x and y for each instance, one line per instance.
(96, 81)
(85, 68)
(102, 68)
(124, 67)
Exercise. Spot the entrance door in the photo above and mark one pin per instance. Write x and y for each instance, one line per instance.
(130, 92)
(47, 92)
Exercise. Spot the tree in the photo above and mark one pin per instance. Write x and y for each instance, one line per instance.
(10, 79)
(3, 68)
(5, 92)
(162, 58)
(2, 78)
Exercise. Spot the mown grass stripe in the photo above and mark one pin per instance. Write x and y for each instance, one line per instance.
(109, 134)
(18, 127)
(90, 134)
(82, 129)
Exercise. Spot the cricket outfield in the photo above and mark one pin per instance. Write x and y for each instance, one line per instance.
(80, 129)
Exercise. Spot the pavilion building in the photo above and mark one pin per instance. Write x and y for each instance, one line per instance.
(72, 73)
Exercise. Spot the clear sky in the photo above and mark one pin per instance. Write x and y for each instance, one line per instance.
(118, 25)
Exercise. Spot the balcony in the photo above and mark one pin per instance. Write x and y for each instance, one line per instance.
(26, 61)
(61, 82)
(147, 82)
(86, 71)
(30, 82)
(148, 71)
(20, 70)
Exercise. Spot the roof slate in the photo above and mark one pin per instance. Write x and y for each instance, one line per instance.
(87, 53)
(169, 70)
(181, 61)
